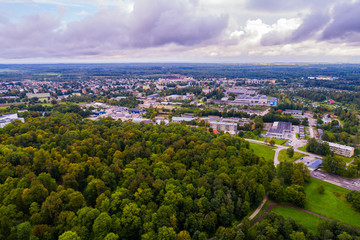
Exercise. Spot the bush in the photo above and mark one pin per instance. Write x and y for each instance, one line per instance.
(321, 189)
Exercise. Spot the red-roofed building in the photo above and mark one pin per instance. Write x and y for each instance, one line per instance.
(331, 101)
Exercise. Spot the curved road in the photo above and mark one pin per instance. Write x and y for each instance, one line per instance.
(279, 148)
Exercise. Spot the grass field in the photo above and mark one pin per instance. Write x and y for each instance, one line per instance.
(331, 204)
(284, 157)
(303, 148)
(263, 151)
(346, 159)
(308, 220)
(277, 141)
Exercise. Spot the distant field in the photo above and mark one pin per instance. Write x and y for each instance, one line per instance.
(284, 157)
(308, 220)
(331, 204)
(263, 151)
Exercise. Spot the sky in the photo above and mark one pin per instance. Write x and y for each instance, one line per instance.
(221, 31)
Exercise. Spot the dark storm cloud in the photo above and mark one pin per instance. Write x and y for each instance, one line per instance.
(310, 26)
(345, 24)
(151, 24)
(338, 23)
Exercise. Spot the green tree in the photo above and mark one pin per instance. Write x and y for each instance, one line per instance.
(297, 236)
(24, 230)
(111, 236)
(334, 164)
(166, 233)
(102, 225)
(69, 235)
(290, 152)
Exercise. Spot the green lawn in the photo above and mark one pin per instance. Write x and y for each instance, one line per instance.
(332, 203)
(277, 141)
(308, 220)
(303, 148)
(346, 159)
(263, 151)
(284, 157)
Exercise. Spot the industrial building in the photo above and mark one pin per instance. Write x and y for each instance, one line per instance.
(280, 130)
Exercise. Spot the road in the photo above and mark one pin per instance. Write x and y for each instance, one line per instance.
(311, 132)
(280, 147)
(265, 112)
(352, 184)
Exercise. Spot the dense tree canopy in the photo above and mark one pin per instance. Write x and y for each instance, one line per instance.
(61, 176)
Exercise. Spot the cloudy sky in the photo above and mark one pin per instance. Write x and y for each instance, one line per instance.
(179, 31)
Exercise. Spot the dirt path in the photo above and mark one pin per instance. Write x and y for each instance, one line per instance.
(268, 209)
(258, 209)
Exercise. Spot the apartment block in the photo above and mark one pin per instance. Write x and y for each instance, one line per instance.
(343, 150)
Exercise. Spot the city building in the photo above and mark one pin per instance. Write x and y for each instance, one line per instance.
(251, 100)
(273, 101)
(293, 112)
(224, 126)
(40, 96)
(280, 130)
(301, 131)
(8, 118)
(343, 150)
(181, 119)
(137, 111)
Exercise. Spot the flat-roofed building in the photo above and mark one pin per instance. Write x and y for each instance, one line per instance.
(8, 118)
(293, 112)
(343, 150)
(181, 119)
(279, 130)
(40, 96)
(224, 126)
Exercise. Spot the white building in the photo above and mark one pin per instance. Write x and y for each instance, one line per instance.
(224, 126)
(8, 118)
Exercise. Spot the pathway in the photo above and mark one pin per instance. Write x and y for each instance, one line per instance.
(311, 132)
(258, 209)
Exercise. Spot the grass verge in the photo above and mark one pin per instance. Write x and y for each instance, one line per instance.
(303, 148)
(284, 157)
(331, 203)
(308, 220)
(263, 151)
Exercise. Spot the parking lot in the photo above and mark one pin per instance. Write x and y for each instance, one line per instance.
(352, 184)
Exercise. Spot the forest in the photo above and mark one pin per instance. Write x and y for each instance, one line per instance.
(65, 176)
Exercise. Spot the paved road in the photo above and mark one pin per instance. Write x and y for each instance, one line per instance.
(352, 184)
(280, 147)
(265, 112)
(311, 132)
